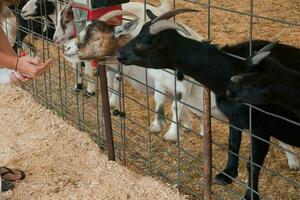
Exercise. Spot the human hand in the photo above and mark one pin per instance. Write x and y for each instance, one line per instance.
(32, 67)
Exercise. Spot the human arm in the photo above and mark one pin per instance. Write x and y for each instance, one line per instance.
(5, 46)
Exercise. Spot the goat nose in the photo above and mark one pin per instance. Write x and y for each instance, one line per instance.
(121, 57)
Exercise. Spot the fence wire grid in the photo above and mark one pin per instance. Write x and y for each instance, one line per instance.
(178, 162)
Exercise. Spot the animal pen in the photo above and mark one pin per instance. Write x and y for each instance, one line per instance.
(188, 161)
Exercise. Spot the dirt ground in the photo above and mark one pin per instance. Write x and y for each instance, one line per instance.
(60, 161)
(147, 153)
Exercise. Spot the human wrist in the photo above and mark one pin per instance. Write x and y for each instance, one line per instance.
(17, 64)
(14, 61)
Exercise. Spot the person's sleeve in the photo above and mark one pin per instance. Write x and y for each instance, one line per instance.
(5, 75)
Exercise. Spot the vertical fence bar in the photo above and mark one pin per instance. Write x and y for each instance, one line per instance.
(207, 145)
(77, 96)
(106, 113)
(122, 109)
(97, 108)
(207, 140)
(250, 109)
(148, 110)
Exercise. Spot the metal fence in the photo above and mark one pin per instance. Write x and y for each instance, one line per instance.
(186, 161)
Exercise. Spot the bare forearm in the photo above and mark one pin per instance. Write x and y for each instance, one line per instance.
(4, 44)
(8, 61)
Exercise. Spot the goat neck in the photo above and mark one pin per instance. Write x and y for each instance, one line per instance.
(202, 61)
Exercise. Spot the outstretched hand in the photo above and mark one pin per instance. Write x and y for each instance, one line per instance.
(32, 67)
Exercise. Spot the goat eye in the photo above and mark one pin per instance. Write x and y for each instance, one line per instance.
(141, 47)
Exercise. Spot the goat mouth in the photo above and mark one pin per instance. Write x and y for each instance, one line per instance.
(122, 59)
(28, 16)
(71, 54)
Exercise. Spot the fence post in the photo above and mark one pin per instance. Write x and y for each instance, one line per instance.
(207, 145)
(106, 113)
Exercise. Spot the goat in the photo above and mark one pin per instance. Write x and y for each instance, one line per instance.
(190, 93)
(97, 41)
(39, 9)
(42, 26)
(159, 46)
(264, 84)
(65, 31)
(8, 23)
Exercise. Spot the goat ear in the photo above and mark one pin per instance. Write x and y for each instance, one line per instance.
(150, 14)
(125, 28)
(255, 60)
(268, 47)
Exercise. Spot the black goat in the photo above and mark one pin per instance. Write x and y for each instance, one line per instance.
(38, 26)
(266, 84)
(158, 46)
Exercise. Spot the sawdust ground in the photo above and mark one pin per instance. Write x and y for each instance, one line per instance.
(60, 161)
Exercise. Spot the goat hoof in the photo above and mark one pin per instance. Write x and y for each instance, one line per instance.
(187, 126)
(113, 103)
(116, 112)
(155, 127)
(201, 133)
(170, 136)
(78, 87)
(221, 179)
(294, 164)
(89, 94)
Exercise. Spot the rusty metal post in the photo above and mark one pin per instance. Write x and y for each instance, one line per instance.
(106, 113)
(207, 145)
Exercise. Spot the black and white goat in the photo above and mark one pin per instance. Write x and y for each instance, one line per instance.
(41, 8)
(39, 27)
(159, 45)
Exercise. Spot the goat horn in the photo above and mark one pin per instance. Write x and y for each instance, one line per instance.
(165, 25)
(115, 13)
(173, 13)
(268, 47)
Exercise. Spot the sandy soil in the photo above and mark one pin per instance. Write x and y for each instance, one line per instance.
(144, 152)
(60, 161)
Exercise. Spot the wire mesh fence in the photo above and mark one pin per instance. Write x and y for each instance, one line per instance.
(138, 138)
